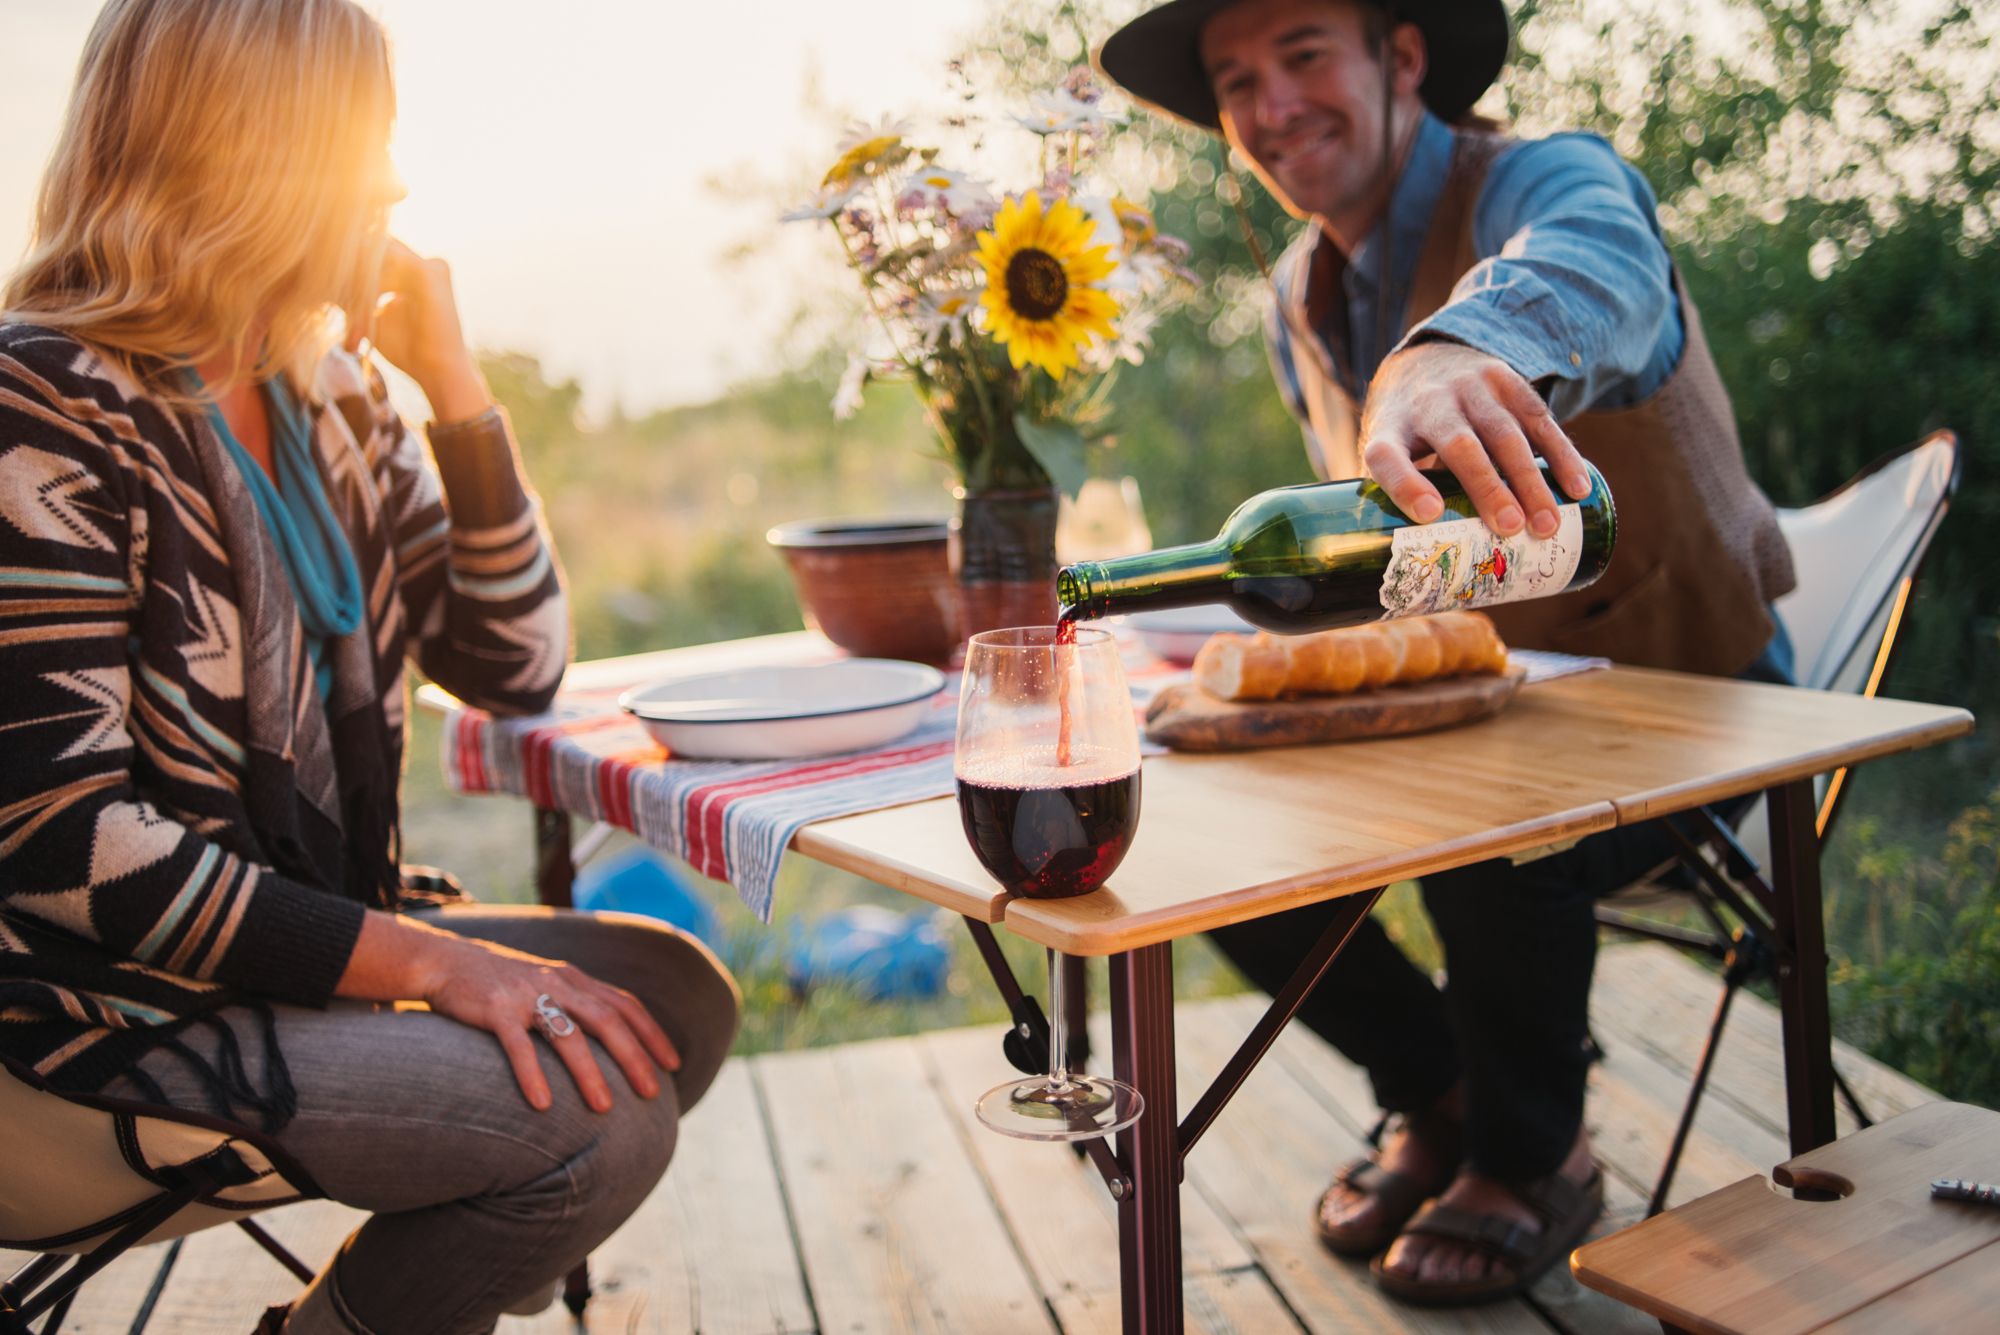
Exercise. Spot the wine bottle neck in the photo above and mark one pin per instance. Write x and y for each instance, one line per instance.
(1170, 577)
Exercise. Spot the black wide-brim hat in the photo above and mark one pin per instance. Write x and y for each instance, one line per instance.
(1157, 56)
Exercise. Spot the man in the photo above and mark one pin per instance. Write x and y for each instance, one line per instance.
(1472, 300)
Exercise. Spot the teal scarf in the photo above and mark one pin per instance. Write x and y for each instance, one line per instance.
(318, 562)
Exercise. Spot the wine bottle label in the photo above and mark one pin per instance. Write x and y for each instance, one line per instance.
(1462, 564)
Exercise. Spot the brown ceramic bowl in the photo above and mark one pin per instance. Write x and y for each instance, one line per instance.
(878, 588)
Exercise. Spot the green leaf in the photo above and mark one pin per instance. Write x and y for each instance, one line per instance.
(1058, 447)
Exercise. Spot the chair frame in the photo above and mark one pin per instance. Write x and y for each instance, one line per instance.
(1726, 876)
(47, 1284)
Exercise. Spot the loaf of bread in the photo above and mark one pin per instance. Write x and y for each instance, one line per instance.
(1357, 658)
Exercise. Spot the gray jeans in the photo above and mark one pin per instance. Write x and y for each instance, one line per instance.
(477, 1200)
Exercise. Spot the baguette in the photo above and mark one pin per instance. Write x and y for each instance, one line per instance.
(1357, 658)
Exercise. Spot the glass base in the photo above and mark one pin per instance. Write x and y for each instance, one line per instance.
(1083, 1108)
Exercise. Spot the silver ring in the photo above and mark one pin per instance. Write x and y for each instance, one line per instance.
(551, 1019)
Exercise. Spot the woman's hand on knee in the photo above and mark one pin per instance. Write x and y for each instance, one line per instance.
(513, 995)
(516, 996)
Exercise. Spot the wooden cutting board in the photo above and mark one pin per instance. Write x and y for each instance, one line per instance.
(1187, 718)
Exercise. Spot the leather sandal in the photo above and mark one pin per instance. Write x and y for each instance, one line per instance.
(1566, 1209)
(1397, 1196)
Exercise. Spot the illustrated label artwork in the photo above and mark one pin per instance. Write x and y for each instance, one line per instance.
(1463, 564)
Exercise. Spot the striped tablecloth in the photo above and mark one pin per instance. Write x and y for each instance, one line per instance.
(730, 820)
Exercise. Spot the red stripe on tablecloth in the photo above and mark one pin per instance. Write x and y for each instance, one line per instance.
(707, 807)
(471, 754)
(614, 792)
(538, 765)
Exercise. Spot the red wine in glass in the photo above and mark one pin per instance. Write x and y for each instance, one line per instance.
(1054, 841)
(1047, 766)
(1065, 647)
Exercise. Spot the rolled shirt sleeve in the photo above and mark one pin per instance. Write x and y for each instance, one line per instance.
(1576, 290)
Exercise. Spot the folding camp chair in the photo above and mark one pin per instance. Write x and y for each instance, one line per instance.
(1857, 551)
(84, 1178)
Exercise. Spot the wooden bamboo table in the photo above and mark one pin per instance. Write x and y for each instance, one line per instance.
(1225, 838)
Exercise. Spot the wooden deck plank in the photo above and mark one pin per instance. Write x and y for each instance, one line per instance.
(1556, 1296)
(1570, 1307)
(711, 1248)
(1265, 1161)
(1055, 1204)
(106, 1305)
(223, 1280)
(910, 1218)
(895, 1227)
(1636, 1102)
(1240, 1302)
(1664, 1001)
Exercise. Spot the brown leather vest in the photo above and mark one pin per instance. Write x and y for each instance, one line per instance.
(1699, 555)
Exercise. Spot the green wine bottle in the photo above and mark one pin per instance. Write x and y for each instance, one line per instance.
(1337, 553)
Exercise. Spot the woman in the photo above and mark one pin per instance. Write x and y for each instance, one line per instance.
(217, 544)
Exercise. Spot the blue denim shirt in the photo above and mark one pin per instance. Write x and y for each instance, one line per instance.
(1573, 289)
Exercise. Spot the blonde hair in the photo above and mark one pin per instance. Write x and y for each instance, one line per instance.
(220, 171)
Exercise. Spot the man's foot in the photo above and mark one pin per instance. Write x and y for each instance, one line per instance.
(1372, 1198)
(1446, 1261)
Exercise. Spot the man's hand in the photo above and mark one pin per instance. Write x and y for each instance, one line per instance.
(1477, 415)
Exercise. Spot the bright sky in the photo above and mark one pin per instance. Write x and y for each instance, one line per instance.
(560, 156)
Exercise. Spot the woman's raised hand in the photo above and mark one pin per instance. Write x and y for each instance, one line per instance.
(414, 325)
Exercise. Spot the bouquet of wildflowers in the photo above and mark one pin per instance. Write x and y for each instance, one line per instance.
(1010, 313)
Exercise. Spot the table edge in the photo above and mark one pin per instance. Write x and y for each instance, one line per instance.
(1955, 722)
(811, 842)
(1041, 921)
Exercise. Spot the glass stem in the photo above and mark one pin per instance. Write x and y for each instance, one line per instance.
(1058, 1069)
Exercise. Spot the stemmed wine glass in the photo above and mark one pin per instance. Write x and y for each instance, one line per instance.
(1048, 790)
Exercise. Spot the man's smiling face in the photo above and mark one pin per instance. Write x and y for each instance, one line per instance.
(1299, 84)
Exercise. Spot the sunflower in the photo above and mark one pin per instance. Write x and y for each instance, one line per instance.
(1040, 267)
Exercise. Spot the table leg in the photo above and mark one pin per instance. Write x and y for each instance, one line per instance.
(555, 871)
(1149, 1213)
(555, 882)
(1801, 932)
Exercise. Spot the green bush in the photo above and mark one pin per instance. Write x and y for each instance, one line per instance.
(1926, 1000)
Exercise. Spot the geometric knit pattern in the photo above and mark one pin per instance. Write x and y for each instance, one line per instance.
(183, 822)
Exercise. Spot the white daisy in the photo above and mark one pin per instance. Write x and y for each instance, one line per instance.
(942, 316)
(868, 149)
(858, 133)
(953, 191)
(1060, 111)
(826, 202)
(1107, 216)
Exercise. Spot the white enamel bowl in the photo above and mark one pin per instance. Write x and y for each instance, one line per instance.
(1177, 633)
(785, 713)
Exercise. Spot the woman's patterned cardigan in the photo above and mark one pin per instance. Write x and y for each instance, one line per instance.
(183, 823)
